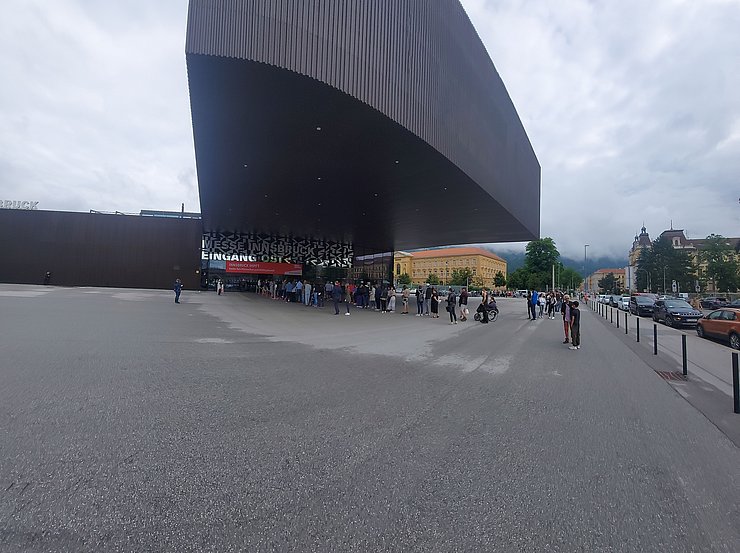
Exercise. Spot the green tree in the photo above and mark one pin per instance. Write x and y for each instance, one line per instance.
(541, 256)
(609, 284)
(499, 279)
(518, 279)
(404, 279)
(433, 279)
(661, 264)
(461, 277)
(570, 278)
(721, 265)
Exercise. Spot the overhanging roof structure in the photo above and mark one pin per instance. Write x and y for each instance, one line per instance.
(376, 122)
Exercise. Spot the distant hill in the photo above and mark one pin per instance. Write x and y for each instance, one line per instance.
(515, 259)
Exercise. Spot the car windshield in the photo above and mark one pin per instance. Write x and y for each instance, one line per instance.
(677, 304)
(643, 300)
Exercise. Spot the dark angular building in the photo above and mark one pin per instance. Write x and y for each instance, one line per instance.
(378, 124)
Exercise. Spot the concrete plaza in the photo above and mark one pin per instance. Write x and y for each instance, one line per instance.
(240, 423)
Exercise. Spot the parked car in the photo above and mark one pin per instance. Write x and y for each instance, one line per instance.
(734, 303)
(624, 303)
(613, 300)
(723, 324)
(675, 312)
(713, 302)
(641, 305)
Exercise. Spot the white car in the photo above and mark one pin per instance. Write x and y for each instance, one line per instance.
(624, 303)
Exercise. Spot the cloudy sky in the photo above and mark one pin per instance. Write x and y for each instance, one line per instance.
(633, 109)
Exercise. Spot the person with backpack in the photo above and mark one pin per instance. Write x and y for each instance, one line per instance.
(451, 300)
(420, 300)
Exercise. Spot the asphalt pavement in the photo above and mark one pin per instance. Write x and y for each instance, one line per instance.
(240, 423)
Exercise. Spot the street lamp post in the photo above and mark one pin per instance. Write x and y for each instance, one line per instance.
(650, 288)
(585, 275)
(664, 268)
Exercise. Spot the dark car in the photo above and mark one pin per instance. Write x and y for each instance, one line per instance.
(723, 324)
(674, 312)
(641, 305)
(713, 302)
(734, 303)
(613, 300)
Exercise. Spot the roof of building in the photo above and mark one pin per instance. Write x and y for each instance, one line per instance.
(607, 271)
(455, 252)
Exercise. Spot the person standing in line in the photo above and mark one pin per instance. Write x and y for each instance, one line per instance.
(177, 288)
(575, 326)
(451, 307)
(347, 297)
(371, 297)
(336, 296)
(405, 294)
(391, 306)
(533, 304)
(529, 303)
(298, 291)
(378, 293)
(565, 310)
(541, 302)
(307, 294)
(384, 299)
(427, 298)
(434, 303)
(419, 300)
(463, 302)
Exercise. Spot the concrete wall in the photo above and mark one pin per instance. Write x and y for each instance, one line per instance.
(91, 249)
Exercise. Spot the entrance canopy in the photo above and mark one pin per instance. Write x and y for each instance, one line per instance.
(385, 126)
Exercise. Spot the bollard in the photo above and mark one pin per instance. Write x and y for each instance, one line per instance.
(617, 319)
(683, 352)
(735, 383)
(655, 338)
(638, 328)
(612, 317)
(626, 330)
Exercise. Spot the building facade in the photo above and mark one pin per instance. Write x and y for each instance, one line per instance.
(678, 239)
(483, 264)
(592, 280)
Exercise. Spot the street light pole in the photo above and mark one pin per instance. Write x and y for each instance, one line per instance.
(585, 279)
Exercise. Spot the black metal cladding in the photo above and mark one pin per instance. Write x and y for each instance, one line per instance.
(418, 62)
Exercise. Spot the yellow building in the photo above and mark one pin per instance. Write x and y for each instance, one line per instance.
(592, 281)
(441, 262)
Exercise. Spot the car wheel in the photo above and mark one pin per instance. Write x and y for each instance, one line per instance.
(700, 331)
(734, 341)
(655, 319)
(669, 321)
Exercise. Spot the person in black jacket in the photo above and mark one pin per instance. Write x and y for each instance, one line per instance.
(451, 300)
(463, 302)
(336, 296)
(427, 298)
(420, 301)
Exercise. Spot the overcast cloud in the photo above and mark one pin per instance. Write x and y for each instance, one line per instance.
(633, 109)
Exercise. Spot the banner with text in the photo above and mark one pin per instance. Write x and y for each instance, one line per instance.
(258, 268)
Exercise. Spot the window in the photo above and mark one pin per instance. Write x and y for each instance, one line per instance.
(728, 315)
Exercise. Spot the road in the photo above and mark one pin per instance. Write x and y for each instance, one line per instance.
(239, 423)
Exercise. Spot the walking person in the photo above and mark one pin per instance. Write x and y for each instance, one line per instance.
(575, 326)
(434, 303)
(565, 310)
(451, 307)
(463, 302)
(405, 293)
(419, 300)
(177, 288)
(427, 298)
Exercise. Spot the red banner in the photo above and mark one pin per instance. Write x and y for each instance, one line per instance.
(256, 268)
